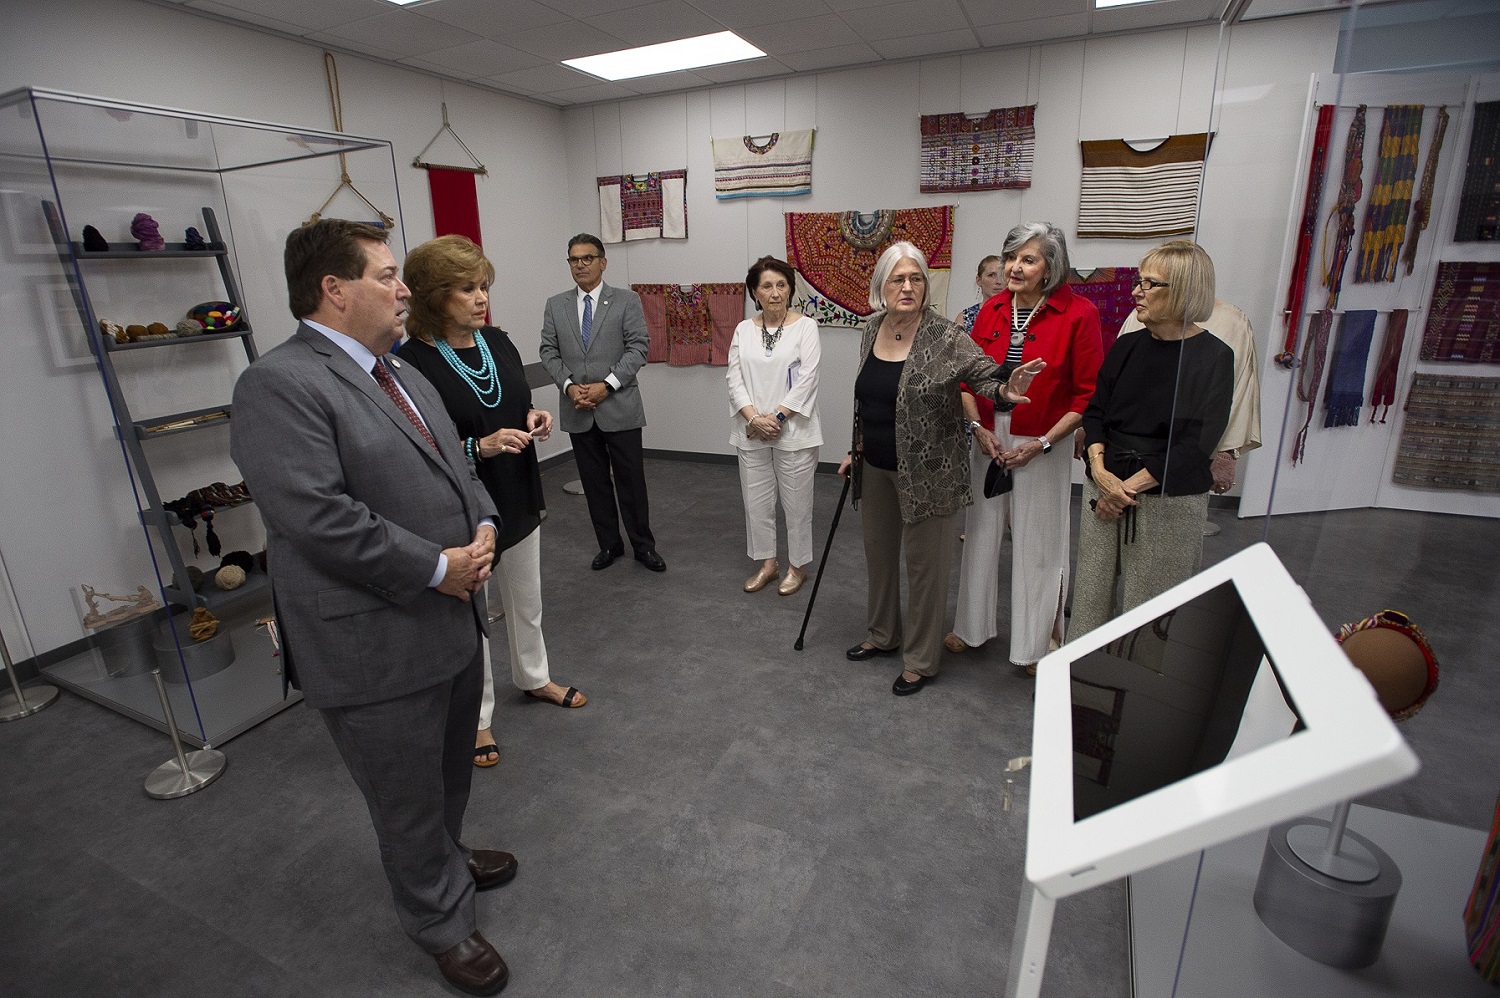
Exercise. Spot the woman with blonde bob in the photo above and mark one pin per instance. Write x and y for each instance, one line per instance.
(1159, 408)
(478, 372)
(908, 460)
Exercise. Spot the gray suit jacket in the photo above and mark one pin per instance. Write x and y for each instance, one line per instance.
(617, 345)
(357, 508)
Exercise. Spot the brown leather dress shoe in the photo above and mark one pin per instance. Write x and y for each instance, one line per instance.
(491, 868)
(474, 967)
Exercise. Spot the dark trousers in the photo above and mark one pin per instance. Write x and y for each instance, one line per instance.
(412, 758)
(611, 464)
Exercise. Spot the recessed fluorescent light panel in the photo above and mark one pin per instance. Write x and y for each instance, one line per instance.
(407, 3)
(1103, 4)
(668, 57)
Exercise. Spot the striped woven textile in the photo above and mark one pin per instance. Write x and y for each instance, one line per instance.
(643, 206)
(1482, 913)
(1479, 205)
(1128, 194)
(690, 323)
(1390, 198)
(779, 167)
(1451, 435)
(989, 153)
(1463, 321)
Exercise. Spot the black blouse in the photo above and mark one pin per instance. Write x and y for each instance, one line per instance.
(513, 480)
(875, 393)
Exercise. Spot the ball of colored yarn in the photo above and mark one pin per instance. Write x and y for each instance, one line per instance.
(204, 625)
(229, 577)
(194, 239)
(145, 229)
(135, 331)
(113, 330)
(244, 559)
(93, 241)
(158, 329)
(189, 327)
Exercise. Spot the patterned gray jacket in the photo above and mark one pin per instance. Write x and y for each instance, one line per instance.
(932, 464)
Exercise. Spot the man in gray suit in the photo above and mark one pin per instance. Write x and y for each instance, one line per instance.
(593, 343)
(379, 540)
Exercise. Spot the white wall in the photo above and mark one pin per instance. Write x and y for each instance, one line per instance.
(866, 156)
(71, 517)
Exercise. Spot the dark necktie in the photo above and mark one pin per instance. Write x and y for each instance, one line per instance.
(588, 319)
(388, 385)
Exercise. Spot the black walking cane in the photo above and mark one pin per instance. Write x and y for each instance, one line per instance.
(827, 546)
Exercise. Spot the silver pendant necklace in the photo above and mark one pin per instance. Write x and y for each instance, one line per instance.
(1018, 334)
(769, 339)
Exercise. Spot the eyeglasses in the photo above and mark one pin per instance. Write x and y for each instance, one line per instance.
(1147, 284)
(916, 280)
(583, 261)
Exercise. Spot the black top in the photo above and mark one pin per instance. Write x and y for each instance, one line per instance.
(1132, 413)
(513, 480)
(875, 395)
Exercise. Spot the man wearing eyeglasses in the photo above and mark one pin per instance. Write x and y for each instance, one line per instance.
(594, 341)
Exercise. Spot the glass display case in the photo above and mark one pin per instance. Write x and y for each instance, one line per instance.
(140, 275)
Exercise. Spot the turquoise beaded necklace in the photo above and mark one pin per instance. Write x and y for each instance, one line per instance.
(483, 380)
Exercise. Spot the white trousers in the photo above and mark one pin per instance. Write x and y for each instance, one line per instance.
(1037, 511)
(765, 472)
(519, 579)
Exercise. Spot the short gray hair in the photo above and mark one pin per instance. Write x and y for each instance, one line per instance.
(1054, 250)
(894, 254)
(1190, 271)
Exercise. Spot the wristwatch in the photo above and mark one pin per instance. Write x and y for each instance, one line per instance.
(1046, 445)
(975, 424)
(780, 416)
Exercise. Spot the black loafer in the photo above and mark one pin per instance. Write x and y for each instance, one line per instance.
(904, 688)
(862, 653)
(491, 868)
(651, 560)
(606, 558)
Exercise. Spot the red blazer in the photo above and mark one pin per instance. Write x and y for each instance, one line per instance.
(1065, 333)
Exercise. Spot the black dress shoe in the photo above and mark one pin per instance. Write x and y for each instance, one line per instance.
(903, 687)
(651, 560)
(863, 653)
(491, 868)
(474, 967)
(606, 558)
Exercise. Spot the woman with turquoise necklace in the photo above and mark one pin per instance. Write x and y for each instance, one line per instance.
(479, 374)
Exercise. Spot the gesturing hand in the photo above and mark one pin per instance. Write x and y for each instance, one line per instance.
(539, 423)
(1020, 381)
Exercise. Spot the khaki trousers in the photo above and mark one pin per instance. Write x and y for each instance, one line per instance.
(929, 548)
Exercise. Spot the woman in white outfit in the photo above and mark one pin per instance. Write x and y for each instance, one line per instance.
(1035, 317)
(773, 389)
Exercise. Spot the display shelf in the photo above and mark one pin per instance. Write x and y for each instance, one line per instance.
(212, 249)
(214, 598)
(155, 516)
(166, 426)
(239, 332)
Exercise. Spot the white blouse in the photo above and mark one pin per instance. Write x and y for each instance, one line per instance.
(788, 377)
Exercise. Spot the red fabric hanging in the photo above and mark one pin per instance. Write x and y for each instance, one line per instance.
(455, 203)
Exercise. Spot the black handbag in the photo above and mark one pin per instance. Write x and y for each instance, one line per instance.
(997, 480)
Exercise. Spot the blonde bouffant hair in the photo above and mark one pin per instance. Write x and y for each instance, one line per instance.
(1190, 273)
(432, 271)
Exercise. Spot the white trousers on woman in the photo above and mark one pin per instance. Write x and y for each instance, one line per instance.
(519, 578)
(1037, 509)
(765, 472)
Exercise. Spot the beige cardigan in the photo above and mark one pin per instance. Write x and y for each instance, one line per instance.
(932, 461)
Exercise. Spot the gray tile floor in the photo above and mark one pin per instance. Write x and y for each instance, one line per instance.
(726, 817)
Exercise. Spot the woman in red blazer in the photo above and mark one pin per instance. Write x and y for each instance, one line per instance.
(1035, 317)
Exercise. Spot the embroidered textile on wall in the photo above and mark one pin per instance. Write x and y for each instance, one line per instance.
(777, 168)
(643, 206)
(1421, 212)
(1127, 194)
(1384, 391)
(989, 153)
(1109, 289)
(834, 253)
(1390, 198)
(1479, 205)
(1346, 380)
(1341, 216)
(1463, 321)
(692, 323)
(1451, 436)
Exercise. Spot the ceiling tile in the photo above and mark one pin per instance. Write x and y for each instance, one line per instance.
(736, 14)
(405, 32)
(855, 5)
(476, 59)
(568, 41)
(581, 9)
(494, 18)
(248, 16)
(543, 79)
(338, 41)
(911, 17)
(1040, 29)
(656, 22)
(587, 95)
(1152, 15)
(840, 55)
(984, 12)
(317, 16)
(824, 32)
(748, 70)
(934, 44)
(666, 82)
